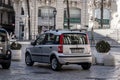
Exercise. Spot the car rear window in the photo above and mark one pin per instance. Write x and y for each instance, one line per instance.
(74, 38)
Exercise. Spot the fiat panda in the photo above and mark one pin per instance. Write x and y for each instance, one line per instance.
(60, 47)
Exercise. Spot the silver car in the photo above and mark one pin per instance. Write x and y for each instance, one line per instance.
(5, 52)
(60, 47)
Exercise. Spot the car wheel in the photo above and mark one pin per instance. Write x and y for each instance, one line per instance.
(28, 60)
(86, 66)
(6, 65)
(55, 65)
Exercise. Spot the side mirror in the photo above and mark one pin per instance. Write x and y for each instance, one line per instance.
(33, 43)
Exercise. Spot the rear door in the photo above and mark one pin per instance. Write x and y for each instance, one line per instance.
(75, 44)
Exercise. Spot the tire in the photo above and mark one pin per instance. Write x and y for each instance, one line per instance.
(28, 60)
(6, 65)
(86, 66)
(55, 65)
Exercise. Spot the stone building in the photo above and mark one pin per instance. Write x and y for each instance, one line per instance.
(42, 18)
(7, 15)
(35, 16)
(109, 10)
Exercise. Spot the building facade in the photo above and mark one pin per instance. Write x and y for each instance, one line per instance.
(109, 8)
(35, 16)
(7, 16)
(41, 16)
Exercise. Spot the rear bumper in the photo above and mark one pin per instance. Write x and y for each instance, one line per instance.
(75, 59)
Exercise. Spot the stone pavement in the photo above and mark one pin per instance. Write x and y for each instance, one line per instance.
(19, 71)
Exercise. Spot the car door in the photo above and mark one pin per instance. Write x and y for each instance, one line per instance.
(47, 48)
(37, 49)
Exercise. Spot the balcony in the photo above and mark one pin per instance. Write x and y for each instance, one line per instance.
(6, 7)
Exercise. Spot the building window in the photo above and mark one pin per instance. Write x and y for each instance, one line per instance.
(3, 1)
(39, 13)
(75, 15)
(9, 18)
(46, 12)
(22, 11)
(0, 1)
(1, 17)
(9, 2)
(45, 16)
(106, 16)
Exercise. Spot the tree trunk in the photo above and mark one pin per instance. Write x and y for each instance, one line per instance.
(28, 7)
(101, 14)
(68, 15)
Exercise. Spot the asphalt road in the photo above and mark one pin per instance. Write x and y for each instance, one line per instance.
(19, 71)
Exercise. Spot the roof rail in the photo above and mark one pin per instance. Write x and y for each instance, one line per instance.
(57, 30)
(81, 30)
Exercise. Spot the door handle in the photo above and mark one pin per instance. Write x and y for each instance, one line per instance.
(50, 47)
(39, 47)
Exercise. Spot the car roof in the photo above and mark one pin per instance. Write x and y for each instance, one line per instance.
(2, 29)
(59, 32)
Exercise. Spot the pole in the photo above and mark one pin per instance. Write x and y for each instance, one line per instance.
(68, 14)
(101, 13)
(28, 7)
(54, 21)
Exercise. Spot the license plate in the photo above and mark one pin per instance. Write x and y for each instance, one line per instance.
(77, 50)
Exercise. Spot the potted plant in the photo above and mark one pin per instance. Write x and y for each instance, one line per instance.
(16, 50)
(102, 48)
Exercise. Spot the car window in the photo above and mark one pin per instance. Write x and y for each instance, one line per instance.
(74, 38)
(40, 39)
(49, 39)
(56, 39)
(2, 38)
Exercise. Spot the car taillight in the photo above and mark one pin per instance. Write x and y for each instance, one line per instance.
(60, 49)
(61, 39)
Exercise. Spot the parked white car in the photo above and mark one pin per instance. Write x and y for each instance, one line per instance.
(60, 47)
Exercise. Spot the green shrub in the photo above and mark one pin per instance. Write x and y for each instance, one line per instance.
(103, 46)
(15, 46)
